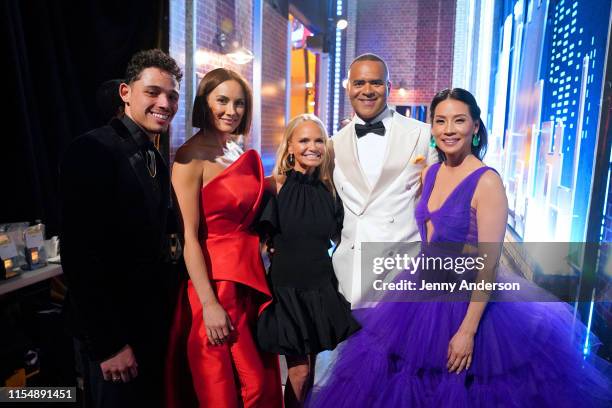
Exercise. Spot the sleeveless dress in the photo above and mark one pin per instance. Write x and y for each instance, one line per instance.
(235, 373)
(523, 352)
(308, 314)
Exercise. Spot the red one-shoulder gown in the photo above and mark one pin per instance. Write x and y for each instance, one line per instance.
(236, 373)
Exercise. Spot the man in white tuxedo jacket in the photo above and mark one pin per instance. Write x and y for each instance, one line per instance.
(379, 157)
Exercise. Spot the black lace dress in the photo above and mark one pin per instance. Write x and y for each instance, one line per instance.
(308, 314)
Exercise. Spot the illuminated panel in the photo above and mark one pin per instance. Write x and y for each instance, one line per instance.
(337, 70)
(606, 219)
(501, 92)
(573, 74)
(587, 347)
(523, 124)
(463, 43)
(485, 47)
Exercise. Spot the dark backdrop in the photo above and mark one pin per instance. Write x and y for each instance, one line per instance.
(60, 51)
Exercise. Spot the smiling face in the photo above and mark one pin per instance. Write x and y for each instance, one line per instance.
(453, 128)
(307, 144)
(227, 106)
(368, 88)
(151, 101)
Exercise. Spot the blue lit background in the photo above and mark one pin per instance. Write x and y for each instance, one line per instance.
(576, 29)
(548, 62)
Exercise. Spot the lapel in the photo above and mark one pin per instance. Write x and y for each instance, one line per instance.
(403, 138)
(163, 174)
(347, 159)
(131, 152)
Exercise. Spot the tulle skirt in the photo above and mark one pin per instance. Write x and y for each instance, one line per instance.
(526, 354)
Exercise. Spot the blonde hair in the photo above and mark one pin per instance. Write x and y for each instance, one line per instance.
(282, 164)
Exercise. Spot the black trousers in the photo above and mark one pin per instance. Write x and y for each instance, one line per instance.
(146, 390)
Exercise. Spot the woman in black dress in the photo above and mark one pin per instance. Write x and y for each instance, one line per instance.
(308, 314)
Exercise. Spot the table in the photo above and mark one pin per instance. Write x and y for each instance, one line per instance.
(26, 278)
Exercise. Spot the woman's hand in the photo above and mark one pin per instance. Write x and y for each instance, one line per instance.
(217, 322)
(460, 350)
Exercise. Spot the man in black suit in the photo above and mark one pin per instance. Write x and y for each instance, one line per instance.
(115, 192)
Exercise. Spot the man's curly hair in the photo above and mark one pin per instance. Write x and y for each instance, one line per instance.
(151, 58)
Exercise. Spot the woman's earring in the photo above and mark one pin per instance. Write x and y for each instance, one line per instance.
(291, 159)
(432, 142)
(475, 140)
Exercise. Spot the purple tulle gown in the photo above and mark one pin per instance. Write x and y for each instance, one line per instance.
(526, 354)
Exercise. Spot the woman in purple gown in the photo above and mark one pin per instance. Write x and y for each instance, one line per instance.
(444, 352)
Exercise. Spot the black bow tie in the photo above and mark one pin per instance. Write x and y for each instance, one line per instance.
(362, 130)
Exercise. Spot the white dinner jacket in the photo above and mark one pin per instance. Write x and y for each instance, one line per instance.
(383, 212)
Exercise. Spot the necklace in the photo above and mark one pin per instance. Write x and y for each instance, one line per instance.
(151, 163)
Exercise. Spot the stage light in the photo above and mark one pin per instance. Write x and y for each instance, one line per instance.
(241, 56)
(200, 57)
(231, 45)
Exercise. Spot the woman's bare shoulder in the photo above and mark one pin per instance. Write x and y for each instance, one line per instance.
(490, 189)
(194, 150)
(274, 182)
(490, 181)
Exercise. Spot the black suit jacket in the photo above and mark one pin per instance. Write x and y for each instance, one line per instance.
(113, 241)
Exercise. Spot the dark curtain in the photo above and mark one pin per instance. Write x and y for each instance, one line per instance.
(59, 53)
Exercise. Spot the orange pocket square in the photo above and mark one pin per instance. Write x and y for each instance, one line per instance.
(420, 159)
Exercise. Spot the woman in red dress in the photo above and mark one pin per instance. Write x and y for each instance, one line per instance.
(219, 190)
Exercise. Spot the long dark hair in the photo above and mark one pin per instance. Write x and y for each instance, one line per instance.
(464, 96)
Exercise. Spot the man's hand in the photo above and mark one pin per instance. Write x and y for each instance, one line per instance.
(122, 367)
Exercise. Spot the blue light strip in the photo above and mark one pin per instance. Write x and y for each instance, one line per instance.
(603, 215)
(337, 69)
(585, 350)
(288, 75)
